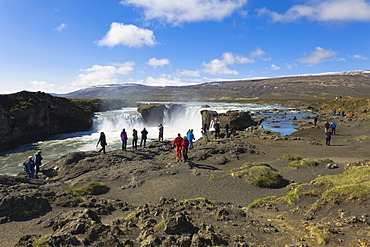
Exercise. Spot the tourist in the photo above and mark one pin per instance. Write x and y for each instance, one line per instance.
(185, 145)
(124, 139)
(333, 127)
(190, 137)
(233, 132)
(103, 142)
(144, 136)
(205, 132)
(161, 129)
(134, 138)
(227, 127)
(328, 137)
(177, 143)
(217, 130)
(315, 120)
(327, 126)
(29, 167)
(37, 160)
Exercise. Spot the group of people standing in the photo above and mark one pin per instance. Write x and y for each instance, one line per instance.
(32, 164)
(183, 144)
(124, 138)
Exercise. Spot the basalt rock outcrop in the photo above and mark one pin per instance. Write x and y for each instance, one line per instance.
(235, 119)
(26, 116)
(154, 114)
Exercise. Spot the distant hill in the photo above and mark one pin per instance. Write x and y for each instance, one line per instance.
(346, 84)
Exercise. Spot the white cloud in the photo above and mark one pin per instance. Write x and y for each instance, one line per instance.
(158, 62)
(317, 56)
(127, 35)
(217, 66)
(190, 73)
(274, 67)
(42, 86)
(177, 12)
(360, 57)
(100, 75)
(60, 27)
(324, 10)
(164, 80)
(258, 52)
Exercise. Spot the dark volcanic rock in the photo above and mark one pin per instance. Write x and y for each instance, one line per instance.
(26, 117)
(154, 114)
(22, 198)
(236, 119)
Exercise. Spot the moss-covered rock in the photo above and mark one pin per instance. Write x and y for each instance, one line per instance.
(261, 175)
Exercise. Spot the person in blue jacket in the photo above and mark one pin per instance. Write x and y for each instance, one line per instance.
(333, 127)
(190, 137)
(29, 167)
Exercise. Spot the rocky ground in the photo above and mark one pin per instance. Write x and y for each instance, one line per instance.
(255, 189)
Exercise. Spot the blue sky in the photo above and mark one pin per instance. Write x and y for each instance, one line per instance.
(59, 46)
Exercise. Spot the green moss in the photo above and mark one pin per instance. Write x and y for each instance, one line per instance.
(160, 226)
(28, 211)
(261, 175)
(142, 108)
(296, 164)
(290, 156)
(362, 138)
(42, 241)
(261, 201)
(91, 188)
(352, 184)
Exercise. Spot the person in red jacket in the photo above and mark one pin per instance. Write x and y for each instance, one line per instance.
(177, 142)
(185, 147)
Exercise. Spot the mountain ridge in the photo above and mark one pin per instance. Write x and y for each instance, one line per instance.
(351, 84)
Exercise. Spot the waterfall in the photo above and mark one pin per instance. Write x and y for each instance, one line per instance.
(112, 122)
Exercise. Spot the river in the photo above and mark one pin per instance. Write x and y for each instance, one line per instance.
(112, 123)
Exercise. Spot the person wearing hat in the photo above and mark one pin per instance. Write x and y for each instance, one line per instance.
(29, 167)
(37, 160)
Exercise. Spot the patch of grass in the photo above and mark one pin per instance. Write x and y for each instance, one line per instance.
(362, 138)
(28, 211)
(91, 188)
(261, 175)
(261, 202)
(352, 184)
(306, 162)
(131, 215)
(42, 241)
(160, 226)
(290, 156)
(347, 140)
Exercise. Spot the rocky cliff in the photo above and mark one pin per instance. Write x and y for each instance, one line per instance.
(27, 116)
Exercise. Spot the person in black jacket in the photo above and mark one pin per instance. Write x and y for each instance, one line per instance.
(37, 160)
(144, 136)
(103, 142)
